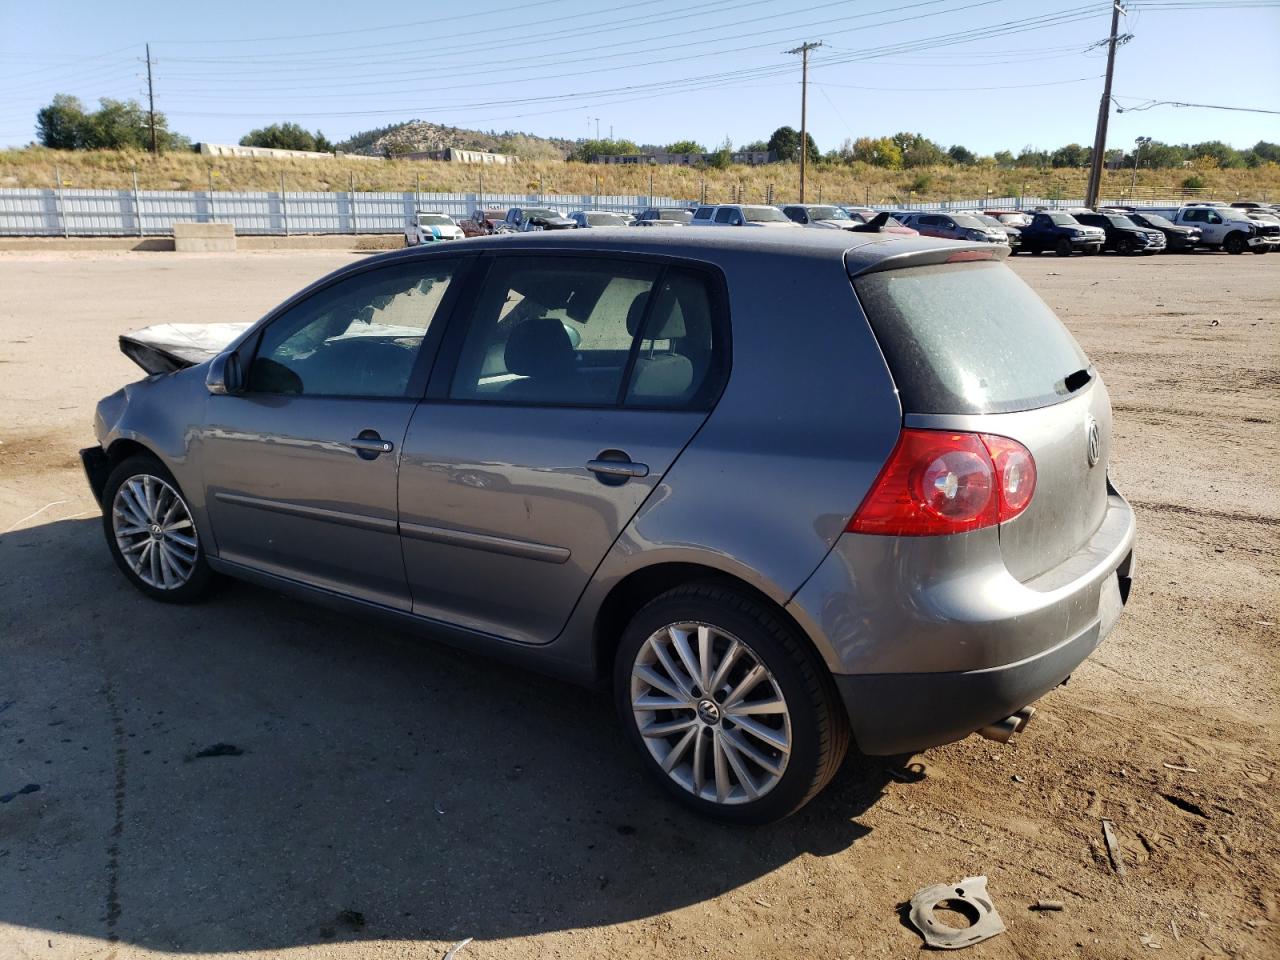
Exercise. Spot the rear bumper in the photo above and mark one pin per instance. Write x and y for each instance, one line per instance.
(96, 468)
(929, 641)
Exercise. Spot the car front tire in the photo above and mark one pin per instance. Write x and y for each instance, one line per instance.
(728, 707)
(1063, 247)
(1235, 244)
(151, 532)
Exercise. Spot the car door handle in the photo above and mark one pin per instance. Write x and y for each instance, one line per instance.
(374, 444)
(618, 469)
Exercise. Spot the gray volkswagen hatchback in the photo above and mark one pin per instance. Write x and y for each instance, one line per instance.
(782, 491)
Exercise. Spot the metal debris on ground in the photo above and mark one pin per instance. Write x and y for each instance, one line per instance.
(1113, 847)
(969, 895)
(453, 951)
(1048, 905)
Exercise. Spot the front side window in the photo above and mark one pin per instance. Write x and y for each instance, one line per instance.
(725, 215)
(356, 338)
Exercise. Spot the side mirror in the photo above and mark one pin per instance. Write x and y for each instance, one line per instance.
(737, 221)
(225, 376)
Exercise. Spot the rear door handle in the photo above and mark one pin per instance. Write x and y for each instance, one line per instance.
(369, 445)
(618, 469)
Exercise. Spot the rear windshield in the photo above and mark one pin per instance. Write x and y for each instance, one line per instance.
(970, 338)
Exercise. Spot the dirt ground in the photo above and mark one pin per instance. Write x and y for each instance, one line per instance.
(394, 797)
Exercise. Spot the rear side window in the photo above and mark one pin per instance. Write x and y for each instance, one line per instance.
(970, 338)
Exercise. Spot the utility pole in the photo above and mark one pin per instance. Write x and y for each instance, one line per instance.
(151, 105)
(803, 50)
(1104, 111)
(1137, 155)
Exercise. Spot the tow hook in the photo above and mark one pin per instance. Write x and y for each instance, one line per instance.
(1002, 731)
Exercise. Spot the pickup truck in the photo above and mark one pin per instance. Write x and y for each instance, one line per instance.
(1228, 228)
(1060, 232)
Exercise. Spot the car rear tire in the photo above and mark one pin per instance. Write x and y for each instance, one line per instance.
(728, 707)
(1063, 247)
(151, 532)
(1235, 243)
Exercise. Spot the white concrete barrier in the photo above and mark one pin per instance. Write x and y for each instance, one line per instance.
(204, 237)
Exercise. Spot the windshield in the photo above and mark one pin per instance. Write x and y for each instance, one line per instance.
(988, 221)
(1015, 219)
(827, 213)
(606, 220)
(1064, 219)
(679, 216)
(764, 215)
(968, 222)
(434, 219)
(1155, 220)
(969, 338)
(1124, 223)
(540, 213)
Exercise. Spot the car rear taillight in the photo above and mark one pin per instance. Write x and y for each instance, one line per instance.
(940, 482)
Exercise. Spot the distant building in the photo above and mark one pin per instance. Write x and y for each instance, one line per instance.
(236, 150)
(456, 155)
(751, 158)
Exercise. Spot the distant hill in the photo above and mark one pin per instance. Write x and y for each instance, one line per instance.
(416, 135)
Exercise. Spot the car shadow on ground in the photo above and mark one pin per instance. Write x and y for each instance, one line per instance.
(256, 773)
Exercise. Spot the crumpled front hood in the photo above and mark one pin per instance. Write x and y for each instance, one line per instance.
(167, 347)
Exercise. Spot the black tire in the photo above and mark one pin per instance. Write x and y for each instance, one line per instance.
(1261, 248)
(198, 580)
(1035, 251)
(819, 725)
(1124, 247)
(1063, 247)
(1235, 244)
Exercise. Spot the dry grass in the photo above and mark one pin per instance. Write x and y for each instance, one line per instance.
(36, 167)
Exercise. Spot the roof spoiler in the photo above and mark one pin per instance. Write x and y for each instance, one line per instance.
(922, 256)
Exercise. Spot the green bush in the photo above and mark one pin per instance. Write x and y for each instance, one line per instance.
(1194, 182)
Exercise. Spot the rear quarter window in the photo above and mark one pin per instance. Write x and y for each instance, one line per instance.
(970, 338)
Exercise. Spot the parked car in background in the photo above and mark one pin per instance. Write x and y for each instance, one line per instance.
(533, 219)
(861, 214)
(955, 226)
(483, 223)
(1122, 235)
(1228, 228)
(1177, 239)
(821, 216)
(430, 226)
(740, 215)
(1249, 205)
(597, 218)
(663, 216)
(886, 223)
(1012, 234)
(1010, 218)
(1060, 232)
(894, 585)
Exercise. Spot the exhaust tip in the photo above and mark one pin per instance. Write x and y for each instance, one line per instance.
(1002, 731)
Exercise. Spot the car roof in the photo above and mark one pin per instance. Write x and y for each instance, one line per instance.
(860, 250)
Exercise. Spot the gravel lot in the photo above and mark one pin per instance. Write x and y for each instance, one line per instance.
(394, 797)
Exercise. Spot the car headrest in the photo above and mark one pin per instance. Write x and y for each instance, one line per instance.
(668, 320)
(540, 347)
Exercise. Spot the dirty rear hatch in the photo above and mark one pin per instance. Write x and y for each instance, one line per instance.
(972, 347)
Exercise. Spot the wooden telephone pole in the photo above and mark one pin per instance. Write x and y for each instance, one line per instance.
(151, 105)
(1104, 112)
(803, 50)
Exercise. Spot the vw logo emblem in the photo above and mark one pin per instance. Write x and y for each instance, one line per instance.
(1093, 446)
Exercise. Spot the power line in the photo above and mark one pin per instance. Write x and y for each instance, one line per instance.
(1202, 106)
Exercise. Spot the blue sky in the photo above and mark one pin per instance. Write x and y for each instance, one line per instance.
(657, 70)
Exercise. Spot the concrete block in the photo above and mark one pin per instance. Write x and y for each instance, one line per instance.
(204, 237)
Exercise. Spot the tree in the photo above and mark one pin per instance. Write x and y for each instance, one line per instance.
(281, 136)
(116, 125)
(785, 143)
(686, 146)
(918, 150)
(1003, 158)
(1029, 156)
(755, 145)
(722, 158)
(63, 123)
(1072, 155)
(1216, 150)
(588, 149)
(882, 152)
(962, 155)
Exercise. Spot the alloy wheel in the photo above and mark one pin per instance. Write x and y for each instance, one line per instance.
(154, 532)
(710, 713)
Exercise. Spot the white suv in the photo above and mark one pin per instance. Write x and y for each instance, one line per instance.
(740, 215)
